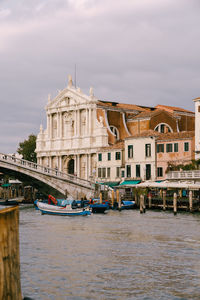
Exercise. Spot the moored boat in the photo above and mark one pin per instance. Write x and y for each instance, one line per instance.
(128, 204)
(62, 211)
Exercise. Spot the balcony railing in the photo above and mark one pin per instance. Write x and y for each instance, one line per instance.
(195, 174)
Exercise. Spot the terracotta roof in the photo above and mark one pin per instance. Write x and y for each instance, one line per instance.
(176, 135)
(164, 136)
(118, 145)
(149, 114)
(172, 108)
(146, 133)
(122, 105)
(196, 99)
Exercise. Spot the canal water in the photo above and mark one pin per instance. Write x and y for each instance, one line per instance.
(119, 255)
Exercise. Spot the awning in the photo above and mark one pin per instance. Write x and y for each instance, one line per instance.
(130, 182)
(6, 185)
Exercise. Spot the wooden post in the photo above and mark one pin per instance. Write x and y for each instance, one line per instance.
(10, 287)
(175, 203)
(149, 198)
(136, 198)
(113, 198)
(164, 200)
(190, 201)
(117, 195)
(119, 202)
(141, 204)
(100, 198)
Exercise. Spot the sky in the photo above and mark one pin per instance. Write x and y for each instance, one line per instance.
(144, 52)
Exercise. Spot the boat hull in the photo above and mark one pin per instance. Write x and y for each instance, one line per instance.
(61, 211)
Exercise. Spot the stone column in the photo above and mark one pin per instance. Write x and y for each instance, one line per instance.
(61, 125)
(78, 165)
(50, 127)
(90, 122)
(75, 125)
(87, 121)
(57, 131)
(78, 122)
(89, 165)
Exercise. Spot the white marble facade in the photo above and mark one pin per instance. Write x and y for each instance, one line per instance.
(73, 134)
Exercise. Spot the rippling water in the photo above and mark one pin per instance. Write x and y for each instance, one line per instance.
(119, 255)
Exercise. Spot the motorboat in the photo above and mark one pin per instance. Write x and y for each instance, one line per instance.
(67, 210)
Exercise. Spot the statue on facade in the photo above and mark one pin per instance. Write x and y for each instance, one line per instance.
(49, 98)
(70, 83)
(91, 92)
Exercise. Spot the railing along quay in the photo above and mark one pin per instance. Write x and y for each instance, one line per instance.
(179, 175)
(10, 159)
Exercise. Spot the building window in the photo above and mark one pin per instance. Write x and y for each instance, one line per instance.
(99, 172)
(168, 147)
(115, 131)
(175, 147)
(123, 174)
(108, 172)
(130, 151)
(198, 108)
(159, 172)
(163, 128)
(128, 171)
(186, 146)
(160, 148)
(117, 171)
(103, 172)
(117, 155)
(147, 150)
(148, 171)
(109, 156)
(137, 170)
(100, 156)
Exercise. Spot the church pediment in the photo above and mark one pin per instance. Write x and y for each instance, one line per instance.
(69, 97)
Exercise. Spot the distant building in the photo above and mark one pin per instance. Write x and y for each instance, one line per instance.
(82, 131)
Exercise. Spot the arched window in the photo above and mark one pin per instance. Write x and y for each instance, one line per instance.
(163, 128)
(71, 166)
(115, 131)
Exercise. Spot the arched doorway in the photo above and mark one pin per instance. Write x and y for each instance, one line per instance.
(70, 167)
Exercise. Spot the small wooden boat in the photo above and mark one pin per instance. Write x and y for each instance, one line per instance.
(62, 211)
(98, 207)
(128, 204)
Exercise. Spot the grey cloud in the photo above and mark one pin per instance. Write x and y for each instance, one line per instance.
(143, 52)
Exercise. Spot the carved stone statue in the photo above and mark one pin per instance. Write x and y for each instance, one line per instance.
(91, 92)
(70, 81)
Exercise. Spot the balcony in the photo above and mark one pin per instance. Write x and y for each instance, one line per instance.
(184, 175)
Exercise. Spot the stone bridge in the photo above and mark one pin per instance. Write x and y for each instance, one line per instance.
(45, 179)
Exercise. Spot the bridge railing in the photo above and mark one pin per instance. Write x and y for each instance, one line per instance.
(42, 169)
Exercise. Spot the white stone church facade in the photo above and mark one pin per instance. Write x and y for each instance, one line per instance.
(73, 134)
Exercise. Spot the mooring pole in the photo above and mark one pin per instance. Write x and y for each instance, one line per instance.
(100, 198)
(113, 198)
(142, 207)
(190, 201)
(164, 200)
(175, 203)
(149, 198)
(10, 287)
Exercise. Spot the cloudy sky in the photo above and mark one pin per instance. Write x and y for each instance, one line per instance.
(144, 52)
